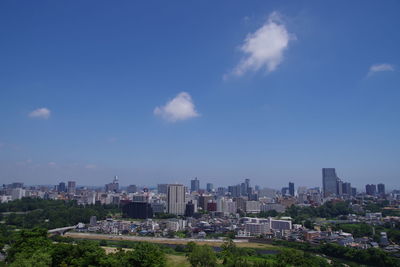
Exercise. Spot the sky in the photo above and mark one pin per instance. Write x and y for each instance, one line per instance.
(165, 91)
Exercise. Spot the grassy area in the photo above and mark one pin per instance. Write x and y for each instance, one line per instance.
(166, 241)
(177, 261)
(172, 259)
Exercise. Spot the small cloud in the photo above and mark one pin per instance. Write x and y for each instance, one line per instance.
(40, 113)
(29, 161)
(51, 163)
(178, 109)
(380, 67)
(264, 48)
(90, 166)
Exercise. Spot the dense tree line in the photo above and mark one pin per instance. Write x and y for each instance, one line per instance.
(370, 257)
(51, 213)
(34, 248)
(327, 210)
(233, 256)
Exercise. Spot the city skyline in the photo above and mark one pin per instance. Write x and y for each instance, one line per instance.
(273, 92)
(338, 188)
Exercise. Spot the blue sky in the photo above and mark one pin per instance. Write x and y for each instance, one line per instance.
(164, 91)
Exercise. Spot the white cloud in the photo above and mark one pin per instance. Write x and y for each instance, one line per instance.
(40, 113)
(380, 67)
(52, 163)
(264, 48)
(178, 109)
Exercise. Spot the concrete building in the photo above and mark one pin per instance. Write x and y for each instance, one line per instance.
(256, 229)
(252, 207)
(195, 185)
(370, 189)
(176, 199)
(381, 189)
(71, 187)
(291, 189)
(329, 182)
(17, 193)
(138, 210)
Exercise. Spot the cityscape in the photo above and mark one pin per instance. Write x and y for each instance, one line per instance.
(199, 133)
(242, 211)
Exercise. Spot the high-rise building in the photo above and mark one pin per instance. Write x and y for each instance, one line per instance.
(346, 188)
(249, 190)
(203, 200)
(62, 187)
(195, 185)
(234, 190)
(114, 186)
(329, 182)
(210, 187)
(71, 187)
(138, 210)
(381, 189)
(189, 210)
(370, 189)
(291, 189)
(162, 188)
(176, 199)
(339, 187)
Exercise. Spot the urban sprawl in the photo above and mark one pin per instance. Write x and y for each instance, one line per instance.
(240, 211)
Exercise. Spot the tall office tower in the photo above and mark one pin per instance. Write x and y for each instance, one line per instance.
(189, 210)
(346, 188)
(61, 187)
(329, 181)
(381, 189)
(234, 190)
(132, 188)
(291, 189)
(195, 185)
(162, 188)
(114, 186)
(370, 189)
(71, 187)
(176, 199)
(339, 187)
(210, 187)
(249, 189)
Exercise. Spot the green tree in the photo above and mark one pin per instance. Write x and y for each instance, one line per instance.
(145, 255)
(37, 259)
(202, 256)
